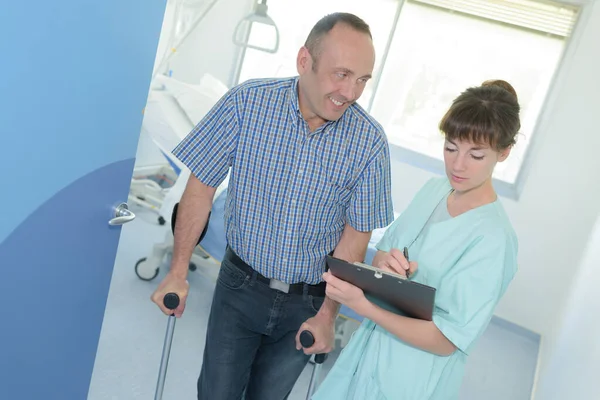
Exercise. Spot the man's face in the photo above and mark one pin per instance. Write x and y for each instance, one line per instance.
(344, 65)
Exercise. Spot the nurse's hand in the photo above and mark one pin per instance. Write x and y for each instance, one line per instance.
(394, 261)
(345, 293)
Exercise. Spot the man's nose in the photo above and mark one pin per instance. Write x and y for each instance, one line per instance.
(348, 90)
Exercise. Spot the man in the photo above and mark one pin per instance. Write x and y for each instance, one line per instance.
(309, 175)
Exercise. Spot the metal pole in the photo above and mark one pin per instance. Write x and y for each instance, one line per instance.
(307, 340)
(386, 52)
(171, 301)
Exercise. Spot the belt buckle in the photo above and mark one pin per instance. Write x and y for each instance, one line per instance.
(279, 285)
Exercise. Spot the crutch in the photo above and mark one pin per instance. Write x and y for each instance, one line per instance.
(307, 340)
(171, 301)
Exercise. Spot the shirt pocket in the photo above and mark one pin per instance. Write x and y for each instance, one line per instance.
(335, 173)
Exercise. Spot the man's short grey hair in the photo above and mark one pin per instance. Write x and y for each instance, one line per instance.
(326, 24)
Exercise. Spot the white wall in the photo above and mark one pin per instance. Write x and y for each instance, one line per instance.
(571, 372)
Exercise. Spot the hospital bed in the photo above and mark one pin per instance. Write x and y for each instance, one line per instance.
(172, 110)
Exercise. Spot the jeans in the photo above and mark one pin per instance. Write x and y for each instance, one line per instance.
(250, 341)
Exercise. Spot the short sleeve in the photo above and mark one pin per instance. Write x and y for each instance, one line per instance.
(386, 241)
(371, 203)
(208, 149)
(467, 296)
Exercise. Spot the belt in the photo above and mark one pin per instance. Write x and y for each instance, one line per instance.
(317, 290)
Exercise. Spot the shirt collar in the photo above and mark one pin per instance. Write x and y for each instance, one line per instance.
(294, 102)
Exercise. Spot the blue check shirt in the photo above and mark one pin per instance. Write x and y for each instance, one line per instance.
(290, 191)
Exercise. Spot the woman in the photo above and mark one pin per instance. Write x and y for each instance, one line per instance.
(459, 234)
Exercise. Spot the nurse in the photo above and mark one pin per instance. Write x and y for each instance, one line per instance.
(460, 241)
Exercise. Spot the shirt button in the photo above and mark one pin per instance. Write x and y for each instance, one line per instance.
(300, 171)
(290, 231)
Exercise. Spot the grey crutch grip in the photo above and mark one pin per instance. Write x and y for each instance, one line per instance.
(307, 340)
(171, 301)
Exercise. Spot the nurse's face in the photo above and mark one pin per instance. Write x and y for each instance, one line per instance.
(470, 165)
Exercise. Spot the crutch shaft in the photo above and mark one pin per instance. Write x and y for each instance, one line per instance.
(164, 361)
(171, 301)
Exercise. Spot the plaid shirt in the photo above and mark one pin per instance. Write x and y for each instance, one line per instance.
(291, 191)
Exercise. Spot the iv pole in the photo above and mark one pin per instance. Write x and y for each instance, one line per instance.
(171, 50)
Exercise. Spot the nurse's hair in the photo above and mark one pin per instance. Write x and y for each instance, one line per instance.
(486, 114)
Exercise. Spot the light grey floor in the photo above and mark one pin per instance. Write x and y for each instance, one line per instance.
(501, 367)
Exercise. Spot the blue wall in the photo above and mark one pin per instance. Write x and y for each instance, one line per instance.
(74, 78)
(71, 73)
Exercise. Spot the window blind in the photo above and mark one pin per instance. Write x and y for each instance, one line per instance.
(545, 16)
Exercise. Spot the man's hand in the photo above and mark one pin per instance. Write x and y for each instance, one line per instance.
(345, 293)
(171, 284)
(322, 327)
(394, 261)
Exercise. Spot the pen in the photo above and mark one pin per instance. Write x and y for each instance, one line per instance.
(406, 256)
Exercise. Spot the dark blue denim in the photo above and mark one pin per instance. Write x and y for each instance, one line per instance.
(250, 348)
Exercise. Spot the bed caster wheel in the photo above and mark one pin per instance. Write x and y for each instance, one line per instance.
(193, 267)
(141, 273)
(161, 220)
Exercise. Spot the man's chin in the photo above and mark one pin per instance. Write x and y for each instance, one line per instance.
(333, 115)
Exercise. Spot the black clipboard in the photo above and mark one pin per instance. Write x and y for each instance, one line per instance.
(388, 290)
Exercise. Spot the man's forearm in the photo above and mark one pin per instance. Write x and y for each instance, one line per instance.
(329, 309)
(192, 216)
(352, 247)
(353, 244)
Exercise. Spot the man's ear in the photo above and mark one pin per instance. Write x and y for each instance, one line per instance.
(303, 61)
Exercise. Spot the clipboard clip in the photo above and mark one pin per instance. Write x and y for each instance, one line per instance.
(376, 273)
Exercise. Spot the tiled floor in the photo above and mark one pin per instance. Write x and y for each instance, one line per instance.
(501, 367)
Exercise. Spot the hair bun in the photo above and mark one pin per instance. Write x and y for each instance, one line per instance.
(500, 83)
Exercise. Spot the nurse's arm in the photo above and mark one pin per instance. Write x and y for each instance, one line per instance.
(418, 333)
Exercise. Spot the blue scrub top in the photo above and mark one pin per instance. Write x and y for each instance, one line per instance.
(470, 260)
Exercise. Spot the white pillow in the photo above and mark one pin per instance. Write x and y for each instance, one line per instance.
(195, 104)
(195, 100)
(213, 87)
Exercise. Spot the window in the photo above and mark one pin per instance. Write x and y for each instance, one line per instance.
(436, 49)
(442, 47)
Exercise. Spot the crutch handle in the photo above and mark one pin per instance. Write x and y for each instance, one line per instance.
(307, 340)
(171, 301)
